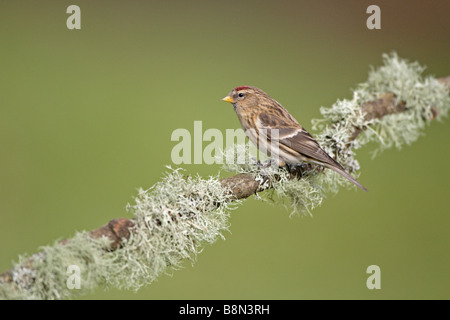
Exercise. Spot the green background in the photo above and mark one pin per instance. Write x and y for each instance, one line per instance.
(86, 118)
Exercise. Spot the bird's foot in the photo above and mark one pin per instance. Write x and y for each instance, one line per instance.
(262, 165)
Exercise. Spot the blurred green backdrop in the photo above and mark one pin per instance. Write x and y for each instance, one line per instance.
(86, 118)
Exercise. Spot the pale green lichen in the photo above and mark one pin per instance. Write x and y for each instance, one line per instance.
(404, 79)
(45, 275)
(173, 221)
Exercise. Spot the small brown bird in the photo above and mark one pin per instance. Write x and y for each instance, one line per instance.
(274, 131)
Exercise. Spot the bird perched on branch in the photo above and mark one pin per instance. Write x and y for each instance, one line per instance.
(274, 131)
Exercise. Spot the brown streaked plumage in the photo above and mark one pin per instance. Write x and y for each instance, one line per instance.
(273, 130)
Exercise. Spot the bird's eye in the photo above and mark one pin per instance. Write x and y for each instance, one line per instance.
(240, 94)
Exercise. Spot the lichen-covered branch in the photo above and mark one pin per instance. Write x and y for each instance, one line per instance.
(174, 219)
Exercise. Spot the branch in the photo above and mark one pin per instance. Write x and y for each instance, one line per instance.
(118, 232)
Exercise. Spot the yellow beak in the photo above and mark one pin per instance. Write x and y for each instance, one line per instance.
(228, 99)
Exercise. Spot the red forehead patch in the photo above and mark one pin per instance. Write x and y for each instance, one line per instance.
(241, 88)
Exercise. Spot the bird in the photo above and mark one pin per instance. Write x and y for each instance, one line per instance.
(277, 133)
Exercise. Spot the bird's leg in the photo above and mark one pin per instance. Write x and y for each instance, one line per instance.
(260, 164)
(263, 166)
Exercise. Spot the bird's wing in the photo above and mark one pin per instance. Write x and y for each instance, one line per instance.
(292, 137)
(295, 143)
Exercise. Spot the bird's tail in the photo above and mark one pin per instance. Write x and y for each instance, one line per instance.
(339, 169)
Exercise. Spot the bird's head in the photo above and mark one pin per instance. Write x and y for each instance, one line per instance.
(245, 97)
